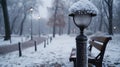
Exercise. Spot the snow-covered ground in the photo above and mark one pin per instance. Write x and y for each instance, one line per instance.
(14, 40)
(57, 53)
(112, 55)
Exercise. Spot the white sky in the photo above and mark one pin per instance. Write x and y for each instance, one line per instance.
(43, 13)
(43, 9)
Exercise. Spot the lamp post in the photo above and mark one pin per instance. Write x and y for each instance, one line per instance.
(31, 10)
(82, 13)
(39, 25)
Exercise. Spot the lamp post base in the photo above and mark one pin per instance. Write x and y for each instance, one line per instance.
(81, 45)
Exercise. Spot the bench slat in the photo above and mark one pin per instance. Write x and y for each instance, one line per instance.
(100, 38)
(96, 45)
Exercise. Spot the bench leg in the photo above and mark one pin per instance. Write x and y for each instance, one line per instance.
(74, 62)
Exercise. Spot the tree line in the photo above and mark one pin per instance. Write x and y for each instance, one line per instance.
(16, 16)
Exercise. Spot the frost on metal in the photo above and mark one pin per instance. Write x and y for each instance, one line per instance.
(83, 7)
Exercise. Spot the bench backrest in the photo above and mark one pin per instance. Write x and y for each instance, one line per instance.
(99, 42)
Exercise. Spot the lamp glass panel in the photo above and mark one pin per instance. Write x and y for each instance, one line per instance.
(83, 19)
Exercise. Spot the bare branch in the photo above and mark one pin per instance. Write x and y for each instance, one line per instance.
(106, 1)
(105, 11)
(106, 24)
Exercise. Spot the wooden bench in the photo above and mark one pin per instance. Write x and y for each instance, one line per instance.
(100, 43)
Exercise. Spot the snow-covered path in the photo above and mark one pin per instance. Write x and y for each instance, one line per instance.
(55, 54)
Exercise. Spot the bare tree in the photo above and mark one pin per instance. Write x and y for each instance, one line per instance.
(6, 20)
(55, 13)
(24, 18)
(60, 22)
(18, 12)
(14, 20)
(22, 23)
(57, 10)
(109, 14)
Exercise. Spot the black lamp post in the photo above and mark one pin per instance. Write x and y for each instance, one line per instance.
(81, 21)
(82, 13)
(31, 10)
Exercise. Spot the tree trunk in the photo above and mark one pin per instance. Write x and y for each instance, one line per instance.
(68, 25)
(100, 27)
(101, 16)
(60, 30)
(54, 29)
(55, 17)
(14, 20)
(13, 24)
(22, 23)
(6, 20)
(109, 4)
(110, 19)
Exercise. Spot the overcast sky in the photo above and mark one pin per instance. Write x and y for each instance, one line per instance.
(43, 9)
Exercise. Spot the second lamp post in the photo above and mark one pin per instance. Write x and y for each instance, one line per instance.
(31, 10)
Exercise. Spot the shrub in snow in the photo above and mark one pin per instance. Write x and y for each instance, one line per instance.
(83, 7)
